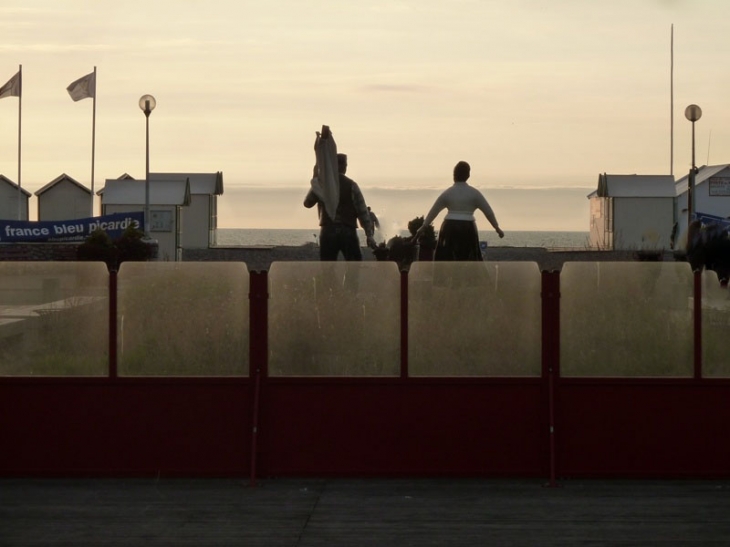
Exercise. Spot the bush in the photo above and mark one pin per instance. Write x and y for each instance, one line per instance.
(98, 247)
(129, 246)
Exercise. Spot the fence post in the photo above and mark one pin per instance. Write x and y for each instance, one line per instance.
(697, 323)
(551, 356)
(113, 306)
(258, 352)
(404, 324)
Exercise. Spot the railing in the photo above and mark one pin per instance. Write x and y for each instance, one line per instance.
(357, 368)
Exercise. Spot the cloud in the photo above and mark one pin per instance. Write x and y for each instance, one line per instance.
(159, 45)
(55, 48)
(16, 10)
(176, 43)
(391, 8)
(396, 88)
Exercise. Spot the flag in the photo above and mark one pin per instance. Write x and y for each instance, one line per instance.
(12, 87)
(83, 88)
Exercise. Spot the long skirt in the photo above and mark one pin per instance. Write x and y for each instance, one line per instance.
(458, 240)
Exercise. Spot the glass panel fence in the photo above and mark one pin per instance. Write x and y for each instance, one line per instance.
(626, 319)
(334, 319)
(183, 319)
(715, 327)
(54, 319)
(474, 319)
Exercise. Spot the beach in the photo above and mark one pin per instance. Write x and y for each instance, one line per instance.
(260, 257)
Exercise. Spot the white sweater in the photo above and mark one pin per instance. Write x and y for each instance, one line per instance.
(461, 200)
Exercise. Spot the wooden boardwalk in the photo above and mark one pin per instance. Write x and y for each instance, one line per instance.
(378, 512)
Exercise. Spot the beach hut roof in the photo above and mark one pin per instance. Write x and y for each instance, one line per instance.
(704, 173)
(200, 183)
(634, 186)
(123, 176)
(6, 180)
(59, 179)
(132, 192)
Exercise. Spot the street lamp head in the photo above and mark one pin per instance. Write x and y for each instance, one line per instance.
(147, 103)
(693, 113)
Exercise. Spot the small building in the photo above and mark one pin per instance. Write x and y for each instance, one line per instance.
(9, 194)
(632, 212)
(64, 199)
(200, 219)
(166, 200)
(711, 195)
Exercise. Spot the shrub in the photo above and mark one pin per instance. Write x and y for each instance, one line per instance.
(98, 247)
(131, 247)
(127, 247)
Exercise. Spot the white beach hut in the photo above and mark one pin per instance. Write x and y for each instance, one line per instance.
(200, 219)
(632, 212)
(166, 202)
(64, 199)
(711, 196)
(9, 200)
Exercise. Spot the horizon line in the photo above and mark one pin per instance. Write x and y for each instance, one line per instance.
(262, 186)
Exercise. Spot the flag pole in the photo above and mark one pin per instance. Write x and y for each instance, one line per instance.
(93, 144)
(671, 102)
(20, 110)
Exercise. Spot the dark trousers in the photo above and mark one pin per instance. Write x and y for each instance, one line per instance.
(336, 238)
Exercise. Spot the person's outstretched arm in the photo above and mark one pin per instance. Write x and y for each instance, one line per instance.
(438, 206)
(484, 207)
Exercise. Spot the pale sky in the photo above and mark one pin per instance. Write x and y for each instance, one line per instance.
(530, 92)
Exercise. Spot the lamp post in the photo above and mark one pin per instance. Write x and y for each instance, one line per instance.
(147, 103)
(692, 113)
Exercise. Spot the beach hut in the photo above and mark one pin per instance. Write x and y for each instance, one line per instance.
(9, 200)
(64, 199)
(632, 212)
(200, 219)
(711, 195)
(167, 199)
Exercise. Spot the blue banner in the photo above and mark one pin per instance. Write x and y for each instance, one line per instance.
(19, 231)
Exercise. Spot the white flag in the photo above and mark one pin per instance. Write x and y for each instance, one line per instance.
(12, 87)
(83, 88)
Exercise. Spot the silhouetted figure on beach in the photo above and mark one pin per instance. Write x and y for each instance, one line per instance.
(374, 219)
(339, 234)
(458, 238)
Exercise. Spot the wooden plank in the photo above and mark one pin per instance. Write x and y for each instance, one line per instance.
(361, 512)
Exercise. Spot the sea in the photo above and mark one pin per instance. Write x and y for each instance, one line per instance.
(555, 217)
(244, 237)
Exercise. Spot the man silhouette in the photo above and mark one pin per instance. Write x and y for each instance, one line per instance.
(339, 234)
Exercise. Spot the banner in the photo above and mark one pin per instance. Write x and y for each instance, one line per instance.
(18, 231)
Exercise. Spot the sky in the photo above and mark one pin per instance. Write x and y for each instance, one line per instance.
(532, 93)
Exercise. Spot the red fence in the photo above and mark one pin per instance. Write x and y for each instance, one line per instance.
(546, 426)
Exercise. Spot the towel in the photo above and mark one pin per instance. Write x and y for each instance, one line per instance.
(327, 185)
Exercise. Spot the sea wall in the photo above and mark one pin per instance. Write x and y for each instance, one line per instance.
(31, 252)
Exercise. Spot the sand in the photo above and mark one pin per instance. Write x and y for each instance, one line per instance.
(260, 257)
